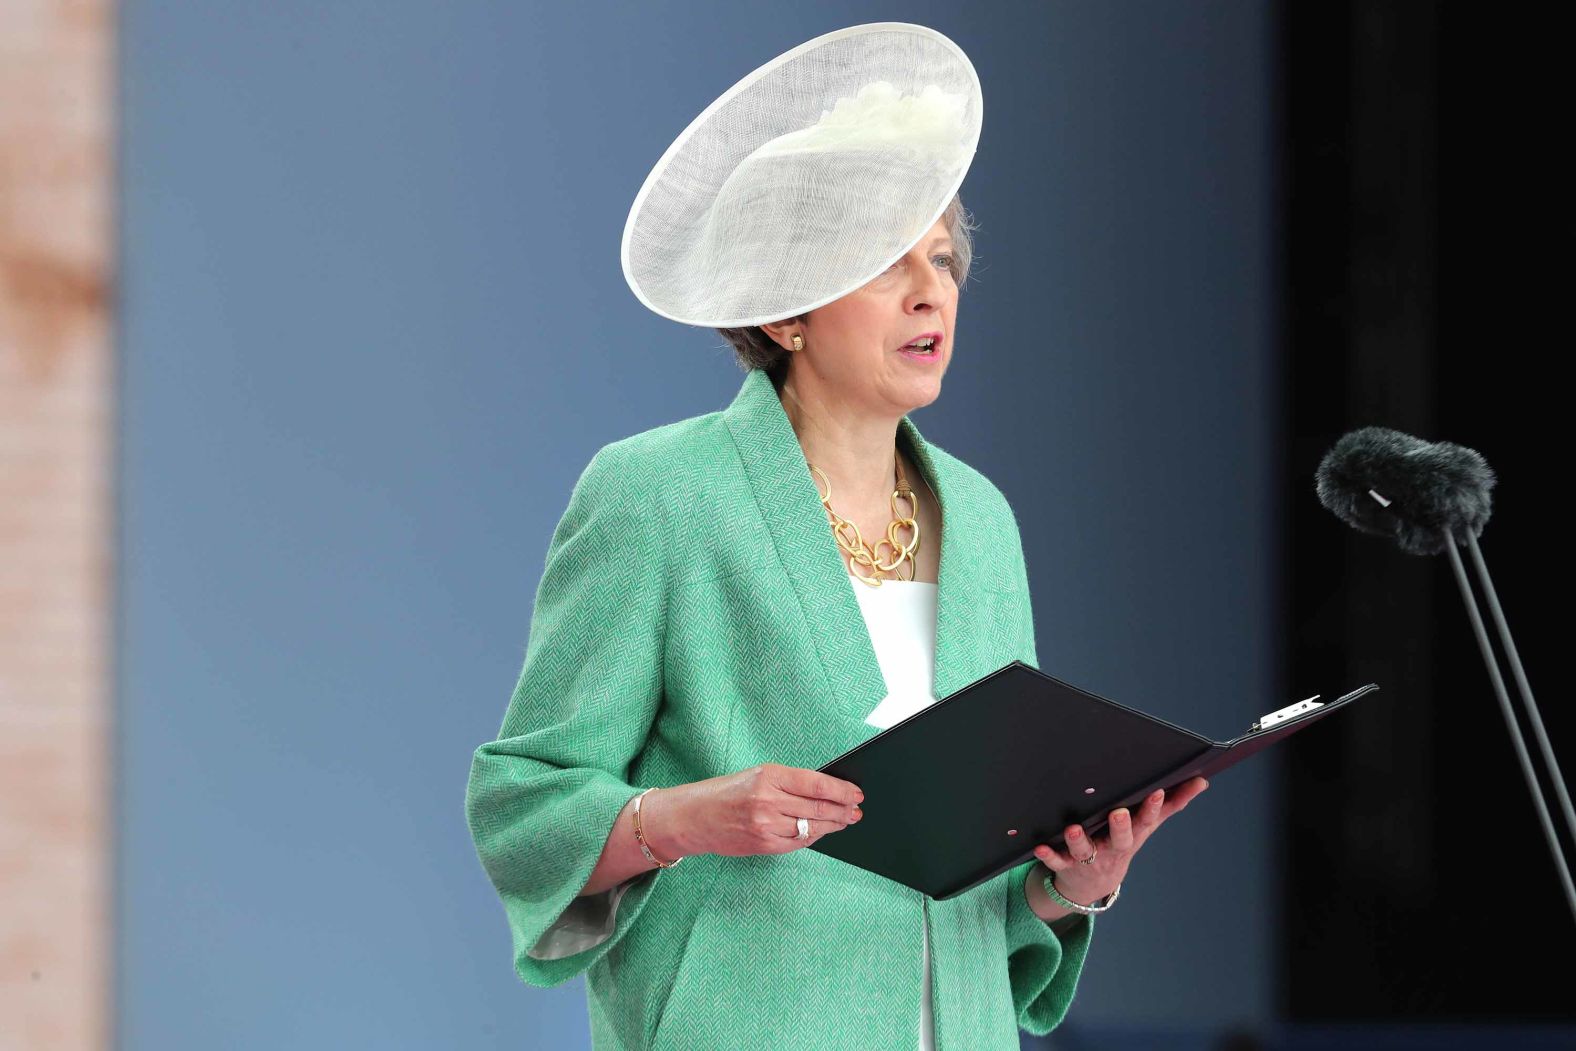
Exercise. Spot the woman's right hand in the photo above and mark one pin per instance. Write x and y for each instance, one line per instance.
(756, 811)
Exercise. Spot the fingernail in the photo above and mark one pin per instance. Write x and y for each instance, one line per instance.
(1073, 833)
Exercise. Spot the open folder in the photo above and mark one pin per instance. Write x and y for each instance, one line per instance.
(966, 788)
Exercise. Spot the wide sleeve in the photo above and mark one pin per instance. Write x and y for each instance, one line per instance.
(1042, 964)
(542, 799)
(1044, 959)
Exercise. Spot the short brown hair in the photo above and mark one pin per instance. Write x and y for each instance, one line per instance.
(756, 350)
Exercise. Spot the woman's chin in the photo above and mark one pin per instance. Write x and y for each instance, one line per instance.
(921, 391)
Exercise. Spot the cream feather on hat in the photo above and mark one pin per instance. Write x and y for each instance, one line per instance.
(806, 179)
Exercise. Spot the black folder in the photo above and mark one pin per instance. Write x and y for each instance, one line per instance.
(967, 787)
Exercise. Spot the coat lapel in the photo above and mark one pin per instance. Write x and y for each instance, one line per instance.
(790, 505)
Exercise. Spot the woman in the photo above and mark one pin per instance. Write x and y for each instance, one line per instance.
(711, 624)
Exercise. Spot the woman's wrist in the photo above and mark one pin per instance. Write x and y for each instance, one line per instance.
(1041, 903)
(1046, 907)
(662, 825)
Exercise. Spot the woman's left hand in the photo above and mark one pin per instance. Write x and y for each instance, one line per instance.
(1085, 883)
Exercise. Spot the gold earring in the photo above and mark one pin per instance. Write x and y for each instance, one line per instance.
(798, 342)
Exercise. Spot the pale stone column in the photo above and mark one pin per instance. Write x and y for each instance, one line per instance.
(56, 539)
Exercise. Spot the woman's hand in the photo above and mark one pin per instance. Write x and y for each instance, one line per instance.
(1112, 853)
(755, 811)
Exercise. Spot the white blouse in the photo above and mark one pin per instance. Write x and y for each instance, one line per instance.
(900, 616)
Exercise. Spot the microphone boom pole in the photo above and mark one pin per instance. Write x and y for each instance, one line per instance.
(1510, 717)
(1523, 687)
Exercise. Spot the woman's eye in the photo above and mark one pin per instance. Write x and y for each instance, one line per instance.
(899, 263)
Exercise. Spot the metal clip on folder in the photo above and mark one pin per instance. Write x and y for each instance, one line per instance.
(1291, 711)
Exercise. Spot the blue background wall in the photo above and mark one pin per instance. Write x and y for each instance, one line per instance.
(373, 326)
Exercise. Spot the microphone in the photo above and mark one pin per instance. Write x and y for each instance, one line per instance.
(1430, 497)
(1417, 493)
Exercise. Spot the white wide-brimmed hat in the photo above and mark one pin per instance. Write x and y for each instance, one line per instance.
(806, 179)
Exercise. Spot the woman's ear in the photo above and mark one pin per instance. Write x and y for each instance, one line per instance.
(782, 332)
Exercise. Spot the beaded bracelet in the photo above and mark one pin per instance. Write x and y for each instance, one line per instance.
(640, 836)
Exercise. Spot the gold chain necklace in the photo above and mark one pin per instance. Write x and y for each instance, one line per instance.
(860, 554)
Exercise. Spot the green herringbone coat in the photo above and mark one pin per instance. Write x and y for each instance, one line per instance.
(695, 618)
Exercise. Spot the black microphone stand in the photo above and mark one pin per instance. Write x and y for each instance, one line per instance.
(1527, 702)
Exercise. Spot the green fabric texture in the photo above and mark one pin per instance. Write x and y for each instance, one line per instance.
(694, 618)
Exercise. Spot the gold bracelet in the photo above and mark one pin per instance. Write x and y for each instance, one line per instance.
(641, 838)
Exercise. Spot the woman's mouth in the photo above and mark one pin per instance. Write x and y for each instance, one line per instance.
(923, 348)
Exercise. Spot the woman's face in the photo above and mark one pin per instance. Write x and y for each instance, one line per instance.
(852, 344)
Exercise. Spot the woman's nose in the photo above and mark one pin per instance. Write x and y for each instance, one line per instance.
(929, 285)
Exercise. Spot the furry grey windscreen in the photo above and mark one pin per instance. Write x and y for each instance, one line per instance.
(1434, 488)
